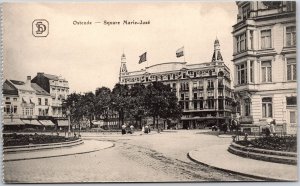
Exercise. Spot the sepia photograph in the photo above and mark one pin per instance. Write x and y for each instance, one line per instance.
(149, 92)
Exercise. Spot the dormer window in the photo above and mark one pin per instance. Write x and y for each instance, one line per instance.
(246, 11)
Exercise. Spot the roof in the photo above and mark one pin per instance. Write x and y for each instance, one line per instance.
(39, 90)
(21, 85)
(9, 89)
(52, 77)
(219, 56)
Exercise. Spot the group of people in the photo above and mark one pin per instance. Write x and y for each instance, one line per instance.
(130, 131)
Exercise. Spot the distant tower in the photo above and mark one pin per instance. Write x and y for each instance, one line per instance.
(123, 68)
(217, 57)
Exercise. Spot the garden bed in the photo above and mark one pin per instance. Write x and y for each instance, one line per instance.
(277, 143)
(27, 139)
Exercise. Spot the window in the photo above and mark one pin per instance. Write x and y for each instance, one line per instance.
(267, 107)
(15, 99)
(210, 103)
(194, 85)
(251, 72)
(46, 101)
(210, 83)
(173, 76)
(265, 39)
(293, 119)
(247, 108)
(195, 95)
(15, 109)
(201, 84)
(242, 73)
(251, 39)
(182, 96)
(183, 76)
(291, 69)
(201, 105)
(290, 36)
(39, 101)
(220, 92)
(169, 77)
(241, 42)
(246, 11)
(7, 109)
(266, 70)
(7, 98)
(195, 105)
(291, 101)
(291, 6)
(187, 105)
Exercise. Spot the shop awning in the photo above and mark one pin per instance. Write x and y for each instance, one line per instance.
(47, 122)
(62, 123)
(32, 122)
(12, 122)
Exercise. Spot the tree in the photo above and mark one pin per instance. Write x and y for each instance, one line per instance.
(161, 102)
(137, 107)
(102, 102)
(120, 101)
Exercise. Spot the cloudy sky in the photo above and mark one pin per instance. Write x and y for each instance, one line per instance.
(88, 56)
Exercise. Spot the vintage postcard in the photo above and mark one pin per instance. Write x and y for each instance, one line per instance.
(104, 92)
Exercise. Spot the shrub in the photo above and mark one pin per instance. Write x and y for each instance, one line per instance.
(279, 143)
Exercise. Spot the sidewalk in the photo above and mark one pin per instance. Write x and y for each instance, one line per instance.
(218, 157)
(86, 147)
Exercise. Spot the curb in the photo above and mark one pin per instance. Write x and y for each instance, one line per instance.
(16, 149)
(43, 157)
(239, 173)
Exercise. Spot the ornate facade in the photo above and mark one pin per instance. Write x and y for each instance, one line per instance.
(265, 64)
(203, 89)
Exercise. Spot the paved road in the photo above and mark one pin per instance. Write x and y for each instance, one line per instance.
(141, 158)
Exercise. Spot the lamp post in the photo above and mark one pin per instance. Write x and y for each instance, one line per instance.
(69, 122)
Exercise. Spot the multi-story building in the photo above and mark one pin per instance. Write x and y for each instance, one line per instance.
(20, 103)
(265, 64)
(203, 89)
(58, 88)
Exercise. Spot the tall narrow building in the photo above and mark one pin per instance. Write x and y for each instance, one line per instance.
(265, 64)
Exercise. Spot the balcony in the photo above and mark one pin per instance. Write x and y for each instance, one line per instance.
(183, 90)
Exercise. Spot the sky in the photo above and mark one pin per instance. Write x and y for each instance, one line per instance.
(89, 56)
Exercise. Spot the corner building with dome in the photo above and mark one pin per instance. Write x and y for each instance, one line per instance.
(203, 89)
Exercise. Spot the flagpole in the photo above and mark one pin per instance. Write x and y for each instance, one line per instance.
(183, 54)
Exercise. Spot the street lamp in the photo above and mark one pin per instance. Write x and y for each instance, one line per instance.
(69, 121)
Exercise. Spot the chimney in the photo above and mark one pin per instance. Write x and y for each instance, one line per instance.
(28, 81)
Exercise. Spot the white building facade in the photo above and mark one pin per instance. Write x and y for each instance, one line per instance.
(264, 58)
(203, 89)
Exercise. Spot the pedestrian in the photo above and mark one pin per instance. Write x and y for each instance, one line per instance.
(131, 129)
(143, 129)
(123, 129)
(272, 129)
(146, 129)
(268, 131)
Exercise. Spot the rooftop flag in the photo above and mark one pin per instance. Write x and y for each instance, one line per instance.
(143, 58)
(180, 52)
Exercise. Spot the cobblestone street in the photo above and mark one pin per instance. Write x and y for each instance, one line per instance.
(141, 158)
